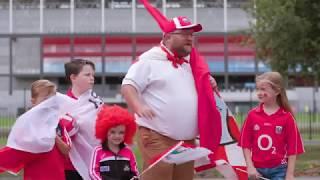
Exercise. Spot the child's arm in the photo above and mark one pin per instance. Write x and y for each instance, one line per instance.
(291, 165)
(63, 147)
(252, 171)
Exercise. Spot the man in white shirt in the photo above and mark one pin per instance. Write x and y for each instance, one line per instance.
(160, 90)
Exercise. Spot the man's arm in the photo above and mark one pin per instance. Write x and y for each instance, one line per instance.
(134, 102)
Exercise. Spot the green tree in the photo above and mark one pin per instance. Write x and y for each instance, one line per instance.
(287, 34)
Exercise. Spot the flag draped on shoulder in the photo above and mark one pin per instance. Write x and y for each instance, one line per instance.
(209, 118)
(35, 130)
(83, 142)
(209, 122)
(32, 138)
(214, 119)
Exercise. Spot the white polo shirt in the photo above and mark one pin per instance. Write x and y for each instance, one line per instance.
(169, 91)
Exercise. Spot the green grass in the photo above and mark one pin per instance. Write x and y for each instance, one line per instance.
(3, 141)
(7, 121)
(309, 162)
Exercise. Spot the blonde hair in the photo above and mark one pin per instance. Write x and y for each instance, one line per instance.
(42, 86)
(276, 81)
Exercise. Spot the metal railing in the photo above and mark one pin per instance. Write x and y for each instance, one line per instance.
(308, 124)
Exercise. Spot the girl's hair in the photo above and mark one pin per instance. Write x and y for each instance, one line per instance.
(42, 86)
(276, 81)
(75, 67)
(112, 116)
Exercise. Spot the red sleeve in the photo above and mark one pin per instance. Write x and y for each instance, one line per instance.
(94, 165)
(246, 136)
(294, 140)
(69, 123)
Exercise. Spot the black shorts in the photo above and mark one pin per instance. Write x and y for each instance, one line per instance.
(72, 175)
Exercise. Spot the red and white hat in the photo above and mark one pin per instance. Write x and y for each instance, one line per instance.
(182, 22)
(167, 26)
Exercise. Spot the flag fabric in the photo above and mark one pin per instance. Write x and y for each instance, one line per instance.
(48, 165)
(209, 117)
(181, 153)
(35, 130)
(229, 156)
(33, 137)
(84, 141)
(10, 164)
(31, 140)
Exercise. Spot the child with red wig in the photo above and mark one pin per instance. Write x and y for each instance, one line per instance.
(113, 159)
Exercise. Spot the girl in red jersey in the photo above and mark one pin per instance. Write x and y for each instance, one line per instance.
(113, 159)
(270, 137)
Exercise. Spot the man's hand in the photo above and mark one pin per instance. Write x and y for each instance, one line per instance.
(145, 111)
(213, 83)
(133, 100)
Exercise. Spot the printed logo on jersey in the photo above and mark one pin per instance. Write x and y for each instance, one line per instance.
(267, 124)
(104, 168)
(126, 168)
(279, 129)
(256, 127)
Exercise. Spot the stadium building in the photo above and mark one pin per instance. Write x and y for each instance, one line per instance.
(38, 36)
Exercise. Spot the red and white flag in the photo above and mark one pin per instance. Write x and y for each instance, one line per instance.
(178, 154)
(33, 134)
(228, 158)
(181, 153)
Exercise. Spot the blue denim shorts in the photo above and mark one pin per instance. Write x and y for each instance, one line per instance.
(276, 173)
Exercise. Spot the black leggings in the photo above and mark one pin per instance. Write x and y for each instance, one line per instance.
(72, 175)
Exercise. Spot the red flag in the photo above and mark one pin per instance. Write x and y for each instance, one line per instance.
(228, 158)
(47, 165)
(209, 120)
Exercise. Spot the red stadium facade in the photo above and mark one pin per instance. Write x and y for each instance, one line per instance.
(117, 52)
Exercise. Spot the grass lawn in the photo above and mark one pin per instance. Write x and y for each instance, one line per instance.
(7, 121)
(309, 162)
(3, 141)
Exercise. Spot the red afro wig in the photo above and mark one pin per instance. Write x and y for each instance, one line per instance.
(111, 116)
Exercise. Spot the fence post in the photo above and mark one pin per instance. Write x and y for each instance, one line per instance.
(310, 125)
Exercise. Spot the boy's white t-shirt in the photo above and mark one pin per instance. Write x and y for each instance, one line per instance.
(169, 91)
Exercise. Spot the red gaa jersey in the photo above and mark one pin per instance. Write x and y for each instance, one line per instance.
(271, 138)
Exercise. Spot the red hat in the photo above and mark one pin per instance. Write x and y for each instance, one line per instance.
(167, 26)
(111, 116)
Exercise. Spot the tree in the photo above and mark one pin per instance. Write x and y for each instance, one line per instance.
(287, 35)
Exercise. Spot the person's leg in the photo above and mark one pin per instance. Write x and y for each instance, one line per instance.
(183, 171)
(151, 144)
